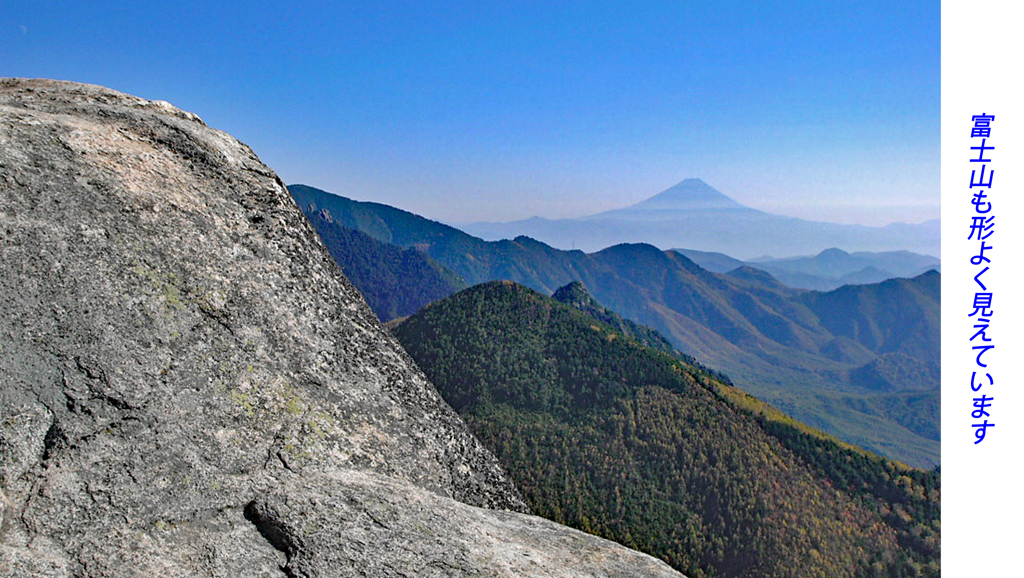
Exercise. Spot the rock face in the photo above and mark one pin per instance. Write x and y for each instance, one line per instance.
(190, 387)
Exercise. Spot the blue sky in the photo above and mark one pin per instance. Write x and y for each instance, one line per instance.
(466, 111)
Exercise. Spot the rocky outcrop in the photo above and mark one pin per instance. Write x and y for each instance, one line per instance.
(190, 387)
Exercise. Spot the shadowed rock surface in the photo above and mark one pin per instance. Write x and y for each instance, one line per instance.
(190, 387)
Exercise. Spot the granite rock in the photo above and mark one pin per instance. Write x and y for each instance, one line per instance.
(190, 387)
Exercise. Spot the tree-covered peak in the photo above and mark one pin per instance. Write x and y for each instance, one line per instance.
(615, 438)
(575, 294)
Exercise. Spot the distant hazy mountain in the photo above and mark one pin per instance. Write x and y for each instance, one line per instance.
(694, 215)
(712, 261)
(837, 263)
(830, 269)
(769, 338)
(687, 196)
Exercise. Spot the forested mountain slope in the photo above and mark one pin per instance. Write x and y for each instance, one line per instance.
(631, 443)
(396, 282)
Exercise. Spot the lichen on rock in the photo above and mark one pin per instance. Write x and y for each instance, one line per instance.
(180, 353)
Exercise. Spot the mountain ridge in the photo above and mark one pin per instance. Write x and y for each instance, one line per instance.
(396, 282)
(828, 270)
(758, 333)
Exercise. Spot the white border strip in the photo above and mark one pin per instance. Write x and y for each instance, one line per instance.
(983, 498)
